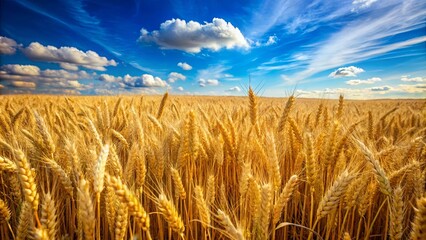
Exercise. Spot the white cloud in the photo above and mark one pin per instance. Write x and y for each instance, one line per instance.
(68, 66)
(234, 89)
(22, 84)
(180, 89)
(361, 4)
(146, 80)
(193, 37)
(174, 76)
(414, 79)
(185, 66)
(359, 81)
(381, 89)
(208, 82)
(351, 71)
(46, 81)
(16, 69)
(271, 40)
(69, 57)
(109, 78)
(8, 46)
(216, 72)
(416, 88)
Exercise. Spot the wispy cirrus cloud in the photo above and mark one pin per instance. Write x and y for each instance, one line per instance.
(368, 37)
(361, 4)
(192, 36)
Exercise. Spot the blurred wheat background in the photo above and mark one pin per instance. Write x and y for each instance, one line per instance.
(183, 167)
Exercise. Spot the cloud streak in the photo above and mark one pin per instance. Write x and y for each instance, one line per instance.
(367, 38)
(355, 82)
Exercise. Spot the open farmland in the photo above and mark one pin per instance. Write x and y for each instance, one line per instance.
(172, 167)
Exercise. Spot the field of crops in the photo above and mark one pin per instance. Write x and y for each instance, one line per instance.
(185, 167)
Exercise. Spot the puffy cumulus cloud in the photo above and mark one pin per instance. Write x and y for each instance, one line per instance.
(146, 80)
(8, 46)
(42, 81)
(69, 58)
(33, 73)
(361, 4)
(58, 74)
(193, 37)
(413, 79)
(351, 71)
(180, 89)
(16, 69)
(381, 89)
(109, 78)
(359, 81)
(208, 82)
(22, 84)
(185, 66)
(69, 66)
(174, 76)
(234, 89)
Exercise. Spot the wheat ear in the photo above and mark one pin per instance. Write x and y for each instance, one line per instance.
(397, 214)
(226, 222)
(177, 181)
(203, 209)
(419, 224)
(86, 212)
(171, 215)
(121, 221)
(49, 217)
(4, 212)
(135, 208)
(27, 179)
(162, 104)
(284, 197)
(331, 199)
(380, 174)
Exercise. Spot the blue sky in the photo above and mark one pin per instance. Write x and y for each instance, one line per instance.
(360, 48)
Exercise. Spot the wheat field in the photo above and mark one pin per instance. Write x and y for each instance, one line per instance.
(186, 167)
